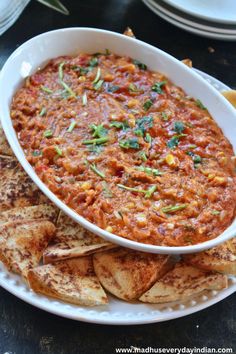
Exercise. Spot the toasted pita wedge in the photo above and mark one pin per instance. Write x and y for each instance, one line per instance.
(220, 259)
(183, 282)
(17, 189)
(4, 146)
(22, 243)
(43, 211)
(127, 274)
(72, 240)
(71, 281)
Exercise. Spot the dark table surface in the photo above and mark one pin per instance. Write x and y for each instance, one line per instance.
(25, 329)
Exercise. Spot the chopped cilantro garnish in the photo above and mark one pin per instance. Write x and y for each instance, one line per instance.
(60, 71)
(113, 88)
(98, 131)
(36, 153)
(72, 126)
(58, 150)
(120, 125)
(99, 173)
(43, 112)
(147, 193)
(173, 208)
(68, 89)
(97, 76)
(93, 62)
(98, 141)
(98, 85)
(131, 143)
(143, 124)
(96, 149)
(147, 105)
(215, 212)
(179, 127)
(148, 138)
(133, 88)
(48, 133)
(106, 191)
(197, 159)
(143, 156)
(164, 116)
(46, 89)
(200, 104)
(84, 99)
(173, 142)
(150, 171)
(140, 65)
(157, 87)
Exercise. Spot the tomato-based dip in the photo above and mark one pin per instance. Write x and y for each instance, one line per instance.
(127, 149)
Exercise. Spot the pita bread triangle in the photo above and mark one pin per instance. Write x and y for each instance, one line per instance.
(71, 281)
(22, 243)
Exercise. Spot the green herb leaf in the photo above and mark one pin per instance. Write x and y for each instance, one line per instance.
(93, 62)
(46, 89)
(120, 125)
(131, 143)
(98, 85)
(133, 88)
(215, 212)
(179, 127)
(96, 149)
(157, 87)
(143, 124)
(148, 193)
(106, 191)
(113, 88)
(68, 89)
(58, 150)
(98, 141)
(72, 126)
(43, 112)
(84, 99)
(99, 173)
(197, 159)
(139, 64)
(36, 153)
(143, 156)
(60, 71)
(148, 138)
(97, 76)
(48, 133)
(98, 131)
(200, 104)
(164, 116)
(173, 208)
(173, 142)
(147, 105)
(150, 171)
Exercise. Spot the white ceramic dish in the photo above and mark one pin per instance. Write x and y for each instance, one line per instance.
(222, 11)
(119, 312)
(192, 21)
(37, 51)
(199, 30)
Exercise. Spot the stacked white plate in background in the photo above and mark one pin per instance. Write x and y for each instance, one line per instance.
(208, 18)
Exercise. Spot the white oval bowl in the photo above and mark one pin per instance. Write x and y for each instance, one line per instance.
(36, 52)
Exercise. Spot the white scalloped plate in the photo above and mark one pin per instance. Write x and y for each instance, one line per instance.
(118, 312)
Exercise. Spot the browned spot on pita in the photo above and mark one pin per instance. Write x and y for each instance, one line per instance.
(17, 189)
(183, 282)
(71, 281)
(72, 240)
(220, 259)
(22, 243)
(127, 274)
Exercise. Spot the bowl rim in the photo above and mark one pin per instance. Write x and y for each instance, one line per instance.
(119, 240)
